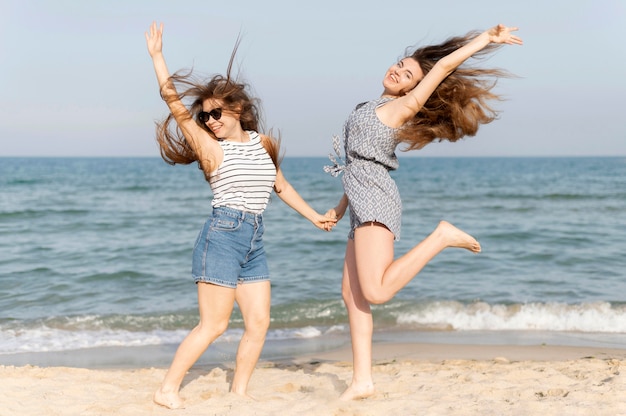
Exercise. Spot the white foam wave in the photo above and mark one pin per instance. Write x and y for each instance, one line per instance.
(46, 339)
(599, 317)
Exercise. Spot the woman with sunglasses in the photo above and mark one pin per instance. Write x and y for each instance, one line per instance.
(427, 96)
(219, 131)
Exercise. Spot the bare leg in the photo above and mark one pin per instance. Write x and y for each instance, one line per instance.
(372, 276)
(380, 277)
(254, 301)
(215, 304)
(361, 329)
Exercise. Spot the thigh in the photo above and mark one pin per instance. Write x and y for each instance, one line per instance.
(215, 303)
(373, 251)
(254, 301)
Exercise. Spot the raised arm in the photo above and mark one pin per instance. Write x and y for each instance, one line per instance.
(199, 140)
(399, 111)
(291, 197)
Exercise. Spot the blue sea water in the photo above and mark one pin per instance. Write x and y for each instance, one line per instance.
(96, 252)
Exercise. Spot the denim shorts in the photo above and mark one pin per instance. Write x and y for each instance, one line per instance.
(229, 249)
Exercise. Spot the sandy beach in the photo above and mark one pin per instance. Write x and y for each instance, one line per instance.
(411, 379)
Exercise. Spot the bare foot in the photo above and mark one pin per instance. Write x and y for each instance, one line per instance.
(455, 237)
(245, 396)
(170, 400)
(357, 392)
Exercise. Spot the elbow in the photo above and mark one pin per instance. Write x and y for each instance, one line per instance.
(445, 66)
(281, 186)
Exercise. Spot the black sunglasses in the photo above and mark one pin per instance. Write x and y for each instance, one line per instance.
(216, 113)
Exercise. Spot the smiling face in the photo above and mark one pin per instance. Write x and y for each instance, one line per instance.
(402, 77)
(227, 126)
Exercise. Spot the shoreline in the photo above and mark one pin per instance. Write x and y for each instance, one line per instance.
(135, 358)
(425, 344)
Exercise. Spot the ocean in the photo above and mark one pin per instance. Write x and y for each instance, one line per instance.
(95, 258)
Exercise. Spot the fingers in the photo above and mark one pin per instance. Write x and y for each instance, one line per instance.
(504, 28)
(327, 224)
(154, 30)
(502, 34)
(514, 40)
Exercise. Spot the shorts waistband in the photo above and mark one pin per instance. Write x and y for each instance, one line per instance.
(236, 213)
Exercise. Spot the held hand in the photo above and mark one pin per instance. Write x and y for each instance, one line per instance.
(335, 214)
(154, 39)
(502, 34)
(324, 222)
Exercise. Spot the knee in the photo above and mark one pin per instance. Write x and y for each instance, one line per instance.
(212, 330)
(375, 297)
(362, 299)
(221, 327)
(263, 324)
(258, 326)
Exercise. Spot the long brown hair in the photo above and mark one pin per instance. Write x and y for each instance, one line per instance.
(459, 104)
(233, 95)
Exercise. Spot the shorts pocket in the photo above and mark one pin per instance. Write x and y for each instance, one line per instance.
(225, 224)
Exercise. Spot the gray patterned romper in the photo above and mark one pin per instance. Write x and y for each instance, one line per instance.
(369, 147)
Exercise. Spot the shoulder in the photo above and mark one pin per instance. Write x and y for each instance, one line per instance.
(272, 147)
(369, 104)
(359, 105)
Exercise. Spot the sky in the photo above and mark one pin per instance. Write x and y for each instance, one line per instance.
(76, 78)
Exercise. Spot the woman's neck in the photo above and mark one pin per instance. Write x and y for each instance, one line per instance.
(240, 136)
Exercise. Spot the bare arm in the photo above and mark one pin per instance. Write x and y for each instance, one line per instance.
(399, 111)
(199, 140)
(340, 210)
(291, 197)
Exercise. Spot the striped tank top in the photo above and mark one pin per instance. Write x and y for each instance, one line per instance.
(246, 177)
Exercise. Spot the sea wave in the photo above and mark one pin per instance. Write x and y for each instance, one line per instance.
(79, 332)
(599, 317)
